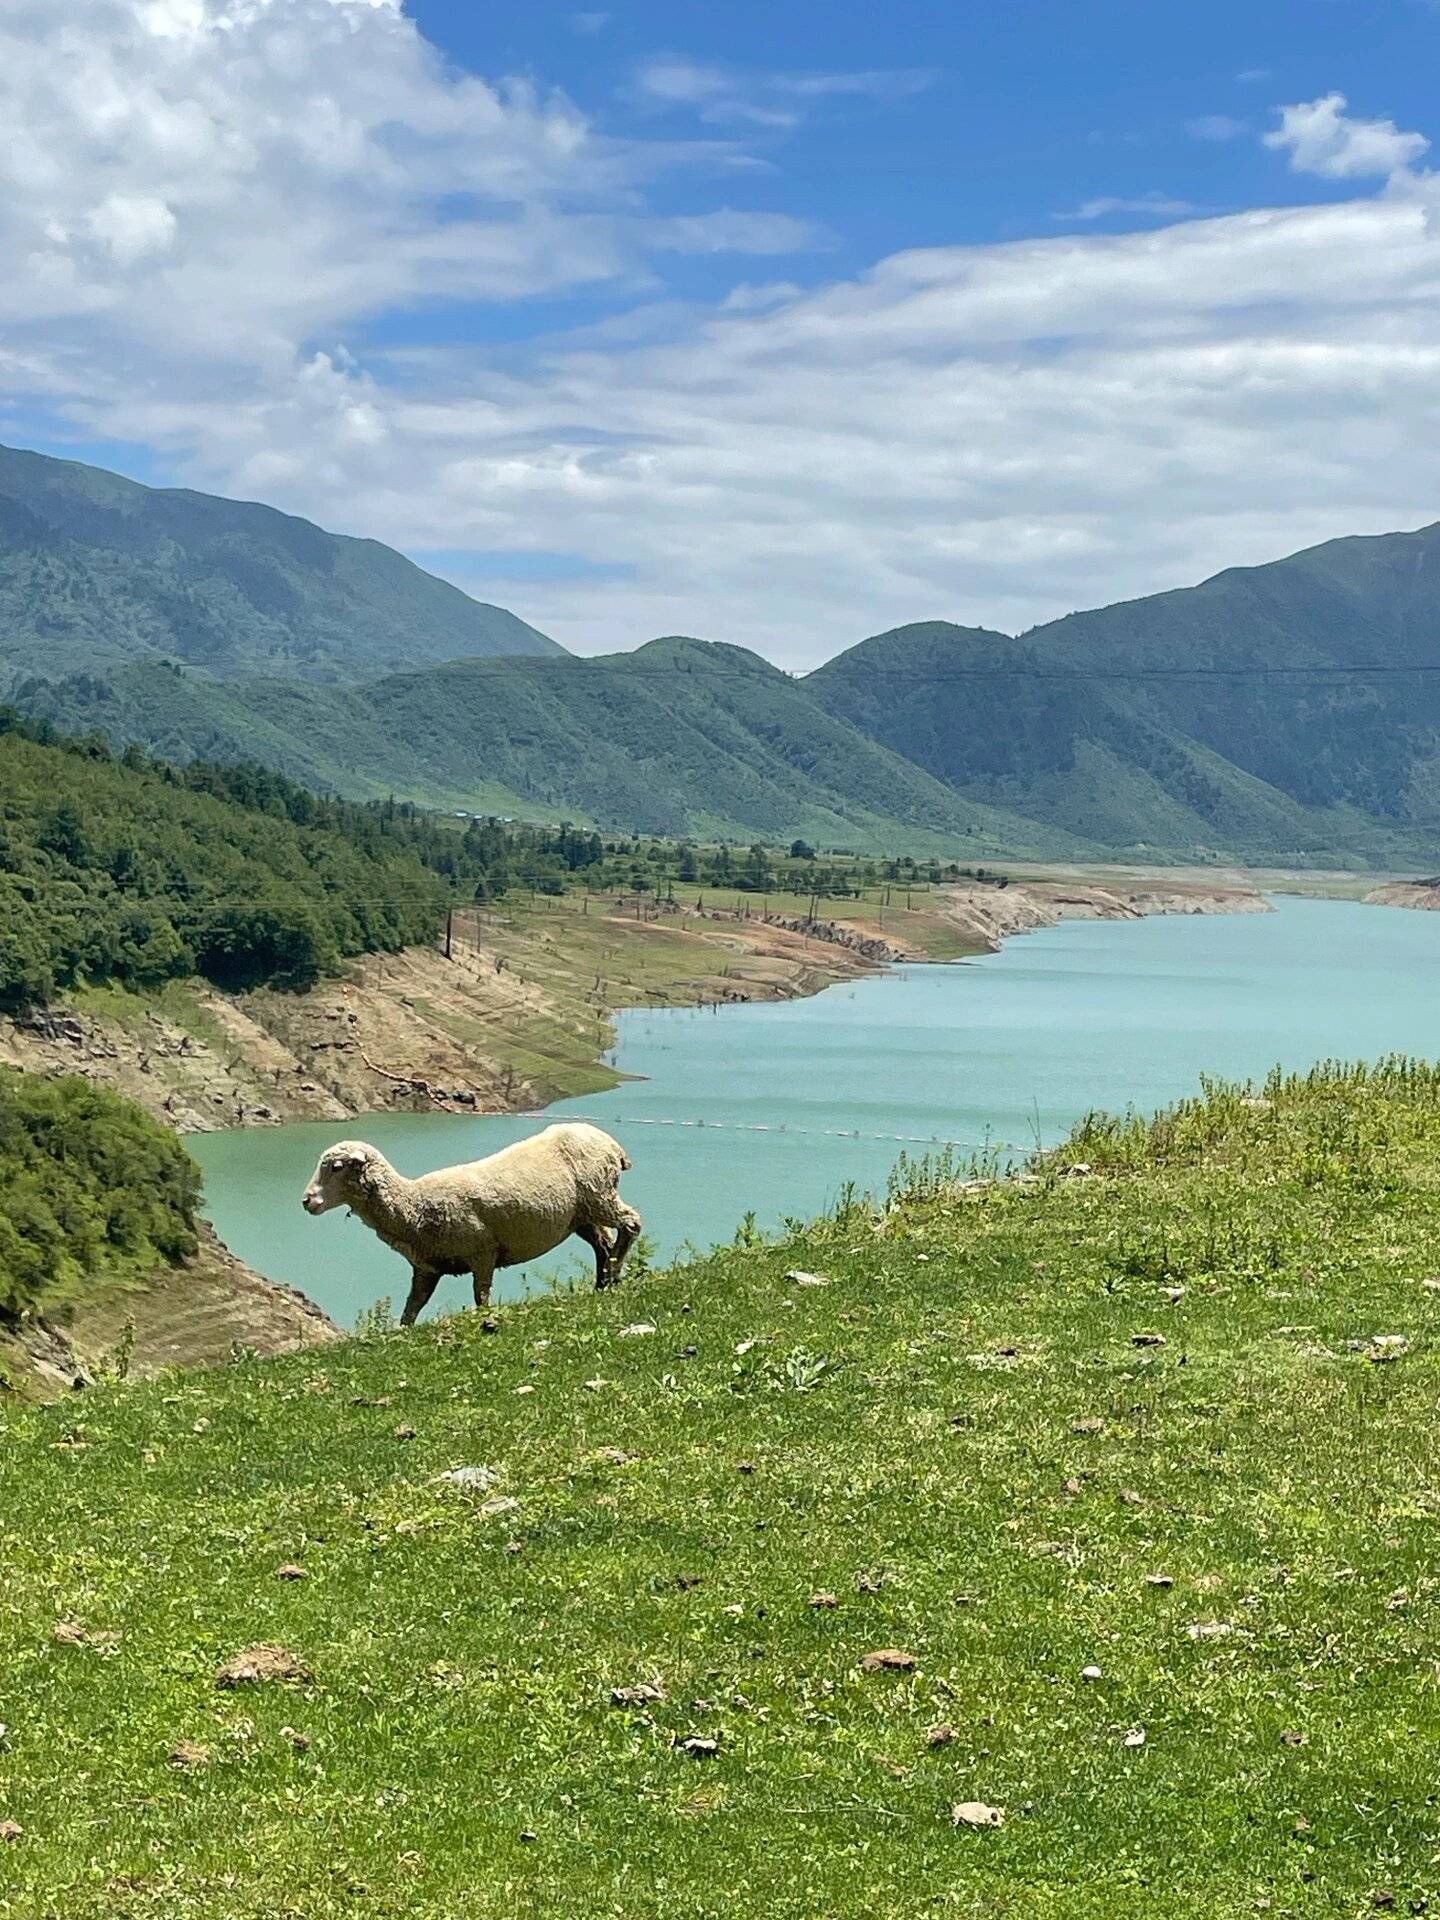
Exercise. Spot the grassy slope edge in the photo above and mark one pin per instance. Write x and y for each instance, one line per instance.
(958, 1438)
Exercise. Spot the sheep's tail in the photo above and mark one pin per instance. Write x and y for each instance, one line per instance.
(625, 1161)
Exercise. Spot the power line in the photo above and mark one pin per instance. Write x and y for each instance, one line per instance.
(614, 663)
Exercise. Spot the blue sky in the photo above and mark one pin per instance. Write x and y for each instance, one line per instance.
(1021, 108)
(776, 324)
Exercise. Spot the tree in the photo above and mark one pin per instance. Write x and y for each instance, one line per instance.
(271, 943)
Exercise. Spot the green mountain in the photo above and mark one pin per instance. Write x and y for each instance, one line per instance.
(1287, 712)
(97, 571)
(679, 737)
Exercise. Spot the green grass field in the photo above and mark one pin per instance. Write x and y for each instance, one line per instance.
(1116, 1458)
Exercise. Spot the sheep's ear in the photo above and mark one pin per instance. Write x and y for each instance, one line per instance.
(341, 1158)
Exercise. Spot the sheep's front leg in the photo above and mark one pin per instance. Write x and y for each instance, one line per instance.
(484, 1273)
(598, 1241)
(628, 1228)
(422, 1285)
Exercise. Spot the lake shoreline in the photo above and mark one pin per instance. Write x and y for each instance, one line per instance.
(509, 1024)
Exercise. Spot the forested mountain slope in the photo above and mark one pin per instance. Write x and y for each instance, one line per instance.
(1288, 711)
(678, 737)
(97, 570)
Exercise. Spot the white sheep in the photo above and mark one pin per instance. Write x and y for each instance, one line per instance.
(498, 1212)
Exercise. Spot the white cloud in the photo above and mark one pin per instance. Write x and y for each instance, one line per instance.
(991, 434)
(203, 201)
(764, 99)
(589, 22)
(1322, 138)
(237, 177)
(1157, 206)
(130, 225)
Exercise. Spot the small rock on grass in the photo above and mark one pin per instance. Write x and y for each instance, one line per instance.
(1134, 1738)
(1147, 1339)
(824, 1600)
(942, 1734)
(636, 1329)
(975, 1813)
(258, 1664)
(472, 1479)
(10, 1830)
(798, 1277)
(291, 1571)
(1092, 1423)
(643, 1694)
(189, 1753)
(1387, 1346)
(405, 1431)
(493, 1508)
(888, 1660)
(699, 1746)
(1159, 1579)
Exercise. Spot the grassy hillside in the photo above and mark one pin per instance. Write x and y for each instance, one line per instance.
(97, 571)
(1138, 1468)
(680, 737)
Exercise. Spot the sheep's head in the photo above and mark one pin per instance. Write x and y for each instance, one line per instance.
(339, 1176)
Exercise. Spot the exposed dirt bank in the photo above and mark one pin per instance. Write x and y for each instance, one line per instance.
(1424, 894)
(517, 1017)
(200, 1314)
(992, 913)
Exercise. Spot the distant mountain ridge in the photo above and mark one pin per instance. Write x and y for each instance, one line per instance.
(97, 571)
(1286, 714)
(1268, 710)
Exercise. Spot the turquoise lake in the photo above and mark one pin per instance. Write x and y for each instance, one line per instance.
(772, 1109)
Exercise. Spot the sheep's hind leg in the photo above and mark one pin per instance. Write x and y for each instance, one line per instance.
(598, 1240)
(422, 1285)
